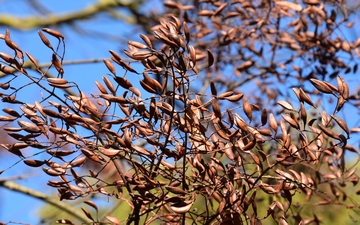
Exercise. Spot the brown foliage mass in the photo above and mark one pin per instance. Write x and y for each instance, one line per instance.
(170, 146)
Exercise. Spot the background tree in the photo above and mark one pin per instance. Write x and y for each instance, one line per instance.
(238, 114)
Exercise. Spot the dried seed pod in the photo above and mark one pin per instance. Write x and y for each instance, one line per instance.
(45, 40)
(123, 82)
(181, 207)
(216, 108)
(247, 108)
(57, 64)
(137, 44)
(56, 81)
(192, 54)
(110, 66)
(146, 39)
(263, 117)
(329, 132)
(341, 124)
(225, 94)
(7, 58)
(11, 112)
(342, 87)
(53, 33)
(210, 58)
(32, 59)
(235, 98)
(186, 32)
(285, 105)
(101, 88)
(28, 127)
(321, 86)
(34, 162)
(305, 97)
(213, 89)
(109, 85)
(11, 44)
(292, 122)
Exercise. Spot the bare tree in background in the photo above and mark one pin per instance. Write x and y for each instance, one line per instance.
(238, 117)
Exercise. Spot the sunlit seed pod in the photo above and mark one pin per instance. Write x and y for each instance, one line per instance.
(32, 59)
(45, 40)
(247, 108)
(146, 39)
(285, 105)
(341, 124)
(321, 86)
(181, 207)
(110, 152)
(225, 94)
(136, 91)
(101, 88)
(137, 44)
(235, 97)
(109, 85)
(7, 58)
(57, 81)
(110, 66)
(53, 33)
(11, 112)
(28, 127)
(147, 87)
(292, 122)
(305, 97)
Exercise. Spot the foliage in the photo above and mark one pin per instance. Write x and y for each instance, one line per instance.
(193, 141)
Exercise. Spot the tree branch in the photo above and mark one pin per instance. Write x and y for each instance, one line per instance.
(50, 200)
(31, 22)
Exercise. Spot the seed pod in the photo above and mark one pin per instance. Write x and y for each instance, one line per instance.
(34, 162)
(216, 108)
(321, 86)
(109, 85)
(146, 40)
(181, 207)
(341, 124)
(263, 117)
(57, 64)
(32, 59)
(192, 54)
(45, 40)
(210, 58)
(305, 97)
(235, 98)
(110, 66)
(53, 33)
(273, 123)
(292, 122)
(186, 32)
(29, 127)
(11, 112)
(123, 82)
(101, 88)
(247, 108)
(285, 105)
(137, 44)
(56, 81)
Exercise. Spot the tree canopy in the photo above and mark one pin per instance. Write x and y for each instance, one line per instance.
(215, 112)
